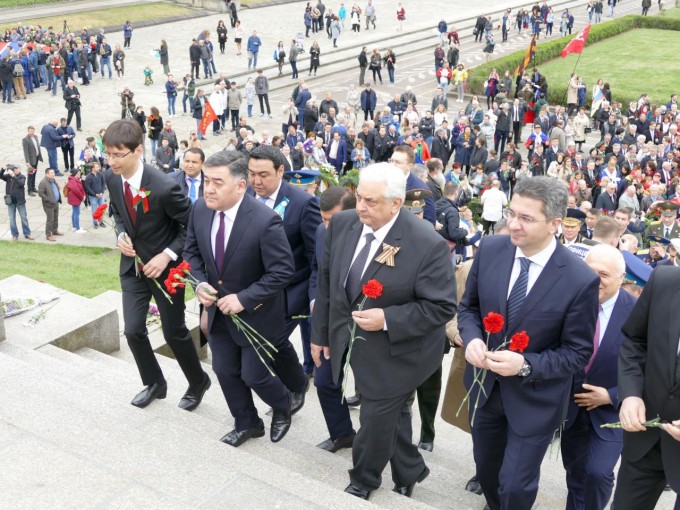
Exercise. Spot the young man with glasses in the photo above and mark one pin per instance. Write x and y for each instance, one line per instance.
(403, 158)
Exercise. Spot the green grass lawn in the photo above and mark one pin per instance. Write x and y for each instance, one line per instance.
(671, 13)
(106, 17)
(635, 62)
(26, 3)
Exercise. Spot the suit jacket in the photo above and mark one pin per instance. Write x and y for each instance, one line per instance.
(258, 264)
(49, 137)
(319, 238)
(419, 298)
(647, 366)
(162, 227)
(558, 314)
(603, 372)
(31, 154)
(46, 193)
(71, 102)
(300, 220)
(180, 178)
(604, 201)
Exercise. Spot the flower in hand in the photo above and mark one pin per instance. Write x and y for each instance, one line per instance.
(493, 323)
(519, 341)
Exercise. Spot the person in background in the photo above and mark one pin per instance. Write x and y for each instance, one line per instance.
(15, 199)
(75, 197)
(95, 187)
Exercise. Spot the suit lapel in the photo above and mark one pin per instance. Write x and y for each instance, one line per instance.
(674, 333)
(240, 226)
(607, 343)
(353, 236)
(283, 192)
(139, 208)
(507, 260)
(118, 184)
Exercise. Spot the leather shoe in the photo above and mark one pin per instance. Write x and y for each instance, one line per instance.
(50, 238)
(407, 490)
(333, 446)
(298, 398)
(356, 491)
(353, 401)
(30, 238)
(428, 446)
(192, 398)
(149, 394)
(238, 437)
(280, 423)
(57, 233)
(473, 485)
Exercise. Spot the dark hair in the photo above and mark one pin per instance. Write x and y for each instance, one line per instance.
(196, 150)
(408, 150)
(268, 152)
(434, 164)
(233, 160)
(450, 188)
(335, 196)
(123, 133)
(541, 188)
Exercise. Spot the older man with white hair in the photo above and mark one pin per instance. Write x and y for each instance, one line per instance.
(403, 327)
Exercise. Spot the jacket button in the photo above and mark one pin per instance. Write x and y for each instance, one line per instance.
(219, 282)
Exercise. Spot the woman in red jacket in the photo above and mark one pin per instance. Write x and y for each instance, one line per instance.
(75, 197)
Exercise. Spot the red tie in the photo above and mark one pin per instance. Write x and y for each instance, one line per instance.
(596, 341)
(128, 203)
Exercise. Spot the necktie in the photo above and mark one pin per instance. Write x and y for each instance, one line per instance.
(354, 276)
(219, 245)
(263, 200)
(596, 340)
(128, 203)
(667, 233)
(519, 290)
(192, 190)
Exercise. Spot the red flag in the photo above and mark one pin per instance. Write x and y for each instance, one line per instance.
(577, 44)
(528, 57)
(208, 116)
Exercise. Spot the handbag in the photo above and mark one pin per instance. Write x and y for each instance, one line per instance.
(8, 200)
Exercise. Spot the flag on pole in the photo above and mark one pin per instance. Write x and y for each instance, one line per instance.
(528, 57)
(208, 116)
(577, 44)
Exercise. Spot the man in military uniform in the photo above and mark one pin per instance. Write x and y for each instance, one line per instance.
(305, 178)
(667, 226)
(415, 201)
(571, 225)
(637, 274)
(656, 253)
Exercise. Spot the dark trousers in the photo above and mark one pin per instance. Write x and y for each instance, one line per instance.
(589, 462)
(286, 363)
(305, 335)
(293, 66)
(335, 411)
(516, 132)
(68, 153)
(234, 119)
(239, 370)
(126, 41)
(137, 292)
(31, 181)
(641, 482)
(69, 117)
(195, 68)
(362, 75)
(428, 400)
(264, 100)
(501, 139)
(52, 218)
(508, 464)
(385, 436)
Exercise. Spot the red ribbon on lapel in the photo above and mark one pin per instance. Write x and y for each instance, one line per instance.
(143, 196)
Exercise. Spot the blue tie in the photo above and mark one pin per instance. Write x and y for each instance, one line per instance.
(263, 200)
(192, 190)
(519, 290)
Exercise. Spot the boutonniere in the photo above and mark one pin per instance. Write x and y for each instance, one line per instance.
(142, 196)
(387, 255)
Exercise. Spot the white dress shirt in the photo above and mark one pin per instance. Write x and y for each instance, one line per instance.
(538, 263)
(605, 315)
(229, 218)
(271, 199)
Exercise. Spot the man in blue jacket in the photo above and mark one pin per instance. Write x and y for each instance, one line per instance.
(254, 43)
(50, 139)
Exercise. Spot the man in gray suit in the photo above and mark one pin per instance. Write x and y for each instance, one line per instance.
(32, 155)
(403, 328)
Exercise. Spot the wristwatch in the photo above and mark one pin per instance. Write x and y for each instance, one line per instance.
(525, 370)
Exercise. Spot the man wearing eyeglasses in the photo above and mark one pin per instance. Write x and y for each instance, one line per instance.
(151, 214)
(403, 158)
(542, 289)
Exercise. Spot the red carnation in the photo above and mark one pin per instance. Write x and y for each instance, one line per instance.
(493, 322)
(373, 289)
(99, 213)
(184, 267)
(519, 341)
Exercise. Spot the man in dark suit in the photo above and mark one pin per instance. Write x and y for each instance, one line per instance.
(403, 158)
(541, 288)
(190, 179)
(336, 152)
(237, 249)
(607, 201)
(288, 164)
(50, 139)
(72, 103)
(590, 453)
(32, 155)
(403, 328)
(517, 112)
(334, 407)
(151, 214)
(299, 212)
(649, 386)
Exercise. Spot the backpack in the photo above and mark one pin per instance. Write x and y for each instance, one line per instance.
(18, 70)
(65, 190)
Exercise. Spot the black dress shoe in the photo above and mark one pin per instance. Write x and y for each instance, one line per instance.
(280, 423)
(298, 398)
(407, 490)
(333, 446)
(353, 401)
(149, 394)
(426, 445)
(192, 398)
(473, 485)
(356, 491)
(238, 437)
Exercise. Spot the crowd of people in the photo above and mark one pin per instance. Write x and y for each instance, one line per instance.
(601, 182)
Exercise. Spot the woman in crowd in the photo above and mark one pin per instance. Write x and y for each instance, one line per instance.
(360, 156)
(221, 35)
(119, 61)
(314, 58)
(76, 195)
(375, 65)
(154, 128)
(238, 37)
(165, 59)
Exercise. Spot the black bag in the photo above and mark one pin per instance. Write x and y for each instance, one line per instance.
(8, 200)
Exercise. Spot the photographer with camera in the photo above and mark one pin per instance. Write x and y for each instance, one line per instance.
(15, 199)
(127, 104)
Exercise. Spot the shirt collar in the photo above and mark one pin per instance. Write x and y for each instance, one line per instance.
(275, 194)
(541, 258)
(608, 305)
(230, 213)
(381, 233)
(136, 180)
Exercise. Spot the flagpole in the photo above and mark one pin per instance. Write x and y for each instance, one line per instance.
(572, 72)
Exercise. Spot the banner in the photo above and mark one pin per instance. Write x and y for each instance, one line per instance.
(528, 57)
(208, 116)
(577, 44)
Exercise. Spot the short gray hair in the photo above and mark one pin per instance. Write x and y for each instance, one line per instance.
(393, 178)
(611, 255)
(552, 194)
(233, 160)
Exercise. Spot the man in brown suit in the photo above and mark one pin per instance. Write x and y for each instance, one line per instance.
(48, 191)
(32, 155)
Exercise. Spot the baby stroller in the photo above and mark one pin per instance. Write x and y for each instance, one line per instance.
(299, 42)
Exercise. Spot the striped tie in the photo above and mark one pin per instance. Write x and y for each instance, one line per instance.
(596, 341)
(519, 290)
